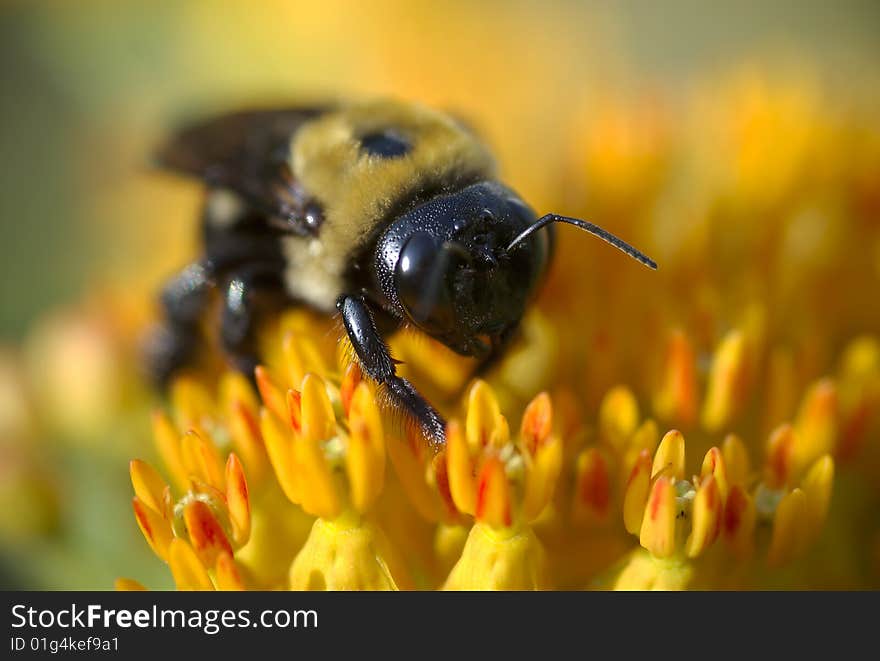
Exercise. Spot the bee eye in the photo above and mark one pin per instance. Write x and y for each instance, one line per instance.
(385, 144)
(423, 279)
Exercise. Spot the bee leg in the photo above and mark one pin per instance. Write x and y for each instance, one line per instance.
(173, 344)
(247, 292)
(372, 353)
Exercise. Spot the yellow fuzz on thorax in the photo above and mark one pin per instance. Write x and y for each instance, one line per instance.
(358, 190)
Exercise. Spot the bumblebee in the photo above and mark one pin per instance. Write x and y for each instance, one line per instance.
(386, 213)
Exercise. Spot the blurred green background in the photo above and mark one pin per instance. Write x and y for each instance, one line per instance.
(90, 86)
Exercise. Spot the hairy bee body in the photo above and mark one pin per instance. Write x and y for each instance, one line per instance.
(387, 212)
(334, 193)
(360, 190)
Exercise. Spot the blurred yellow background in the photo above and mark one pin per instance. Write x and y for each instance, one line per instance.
(582, 102)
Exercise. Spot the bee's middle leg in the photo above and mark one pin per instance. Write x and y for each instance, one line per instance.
(376, 361)
(172, 345)
(247, 293)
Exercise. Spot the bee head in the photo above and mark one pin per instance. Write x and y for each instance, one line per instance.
(445, 266)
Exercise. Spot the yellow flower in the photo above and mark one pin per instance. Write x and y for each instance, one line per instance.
(670, 514)
(211, 510)
(678, 520)
(505, 485)
(198, 534)
(751, 342)
(329, 457)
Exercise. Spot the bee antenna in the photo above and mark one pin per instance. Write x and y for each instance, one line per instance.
(595, 230)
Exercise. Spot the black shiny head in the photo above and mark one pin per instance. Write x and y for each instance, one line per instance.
(445, 266)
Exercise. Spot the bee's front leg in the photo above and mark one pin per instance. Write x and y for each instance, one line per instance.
(372, 353)
(248, 292)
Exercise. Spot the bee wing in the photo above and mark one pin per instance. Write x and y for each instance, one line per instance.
(244, 151)
(236, 142)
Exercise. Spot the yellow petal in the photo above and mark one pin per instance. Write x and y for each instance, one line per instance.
(318, 419)
(541, 478)
(736, 460)
(167, 440)
(635, 498)
(417, 478)
(238, 500)
(271, 393)
(244, 429)
(618, 417)
(279, 447)
(154, 527)
(236, 389)
(658, 525)
(739, 522)
(592, 492)
(227, 574)
(537, 423)
(706, 521)
(676, 399)
(318, 490)
(186, 568)
(500, 435)
(461, 469)
(789, 529)
(350, 380)
(646, 437)
(493, 505)
(191, 403)
(724, 393)
(816, 425)
(365, 455)
(669, 459)
(148, 484)
(294, 410)
(859, 385)
(301, 356)
(202, 459)
(205, 532)
(294, 361)
(779, 467)
(167, 505)
(482, 414)
(438, 477)
(128, 585)
(861, 359)
(817, 486)
(713, 464)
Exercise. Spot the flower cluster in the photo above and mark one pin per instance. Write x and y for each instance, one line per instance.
(751, 341)
(503, 511)
(755, 347)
